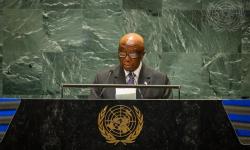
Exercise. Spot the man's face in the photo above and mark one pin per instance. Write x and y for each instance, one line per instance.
(130, 57)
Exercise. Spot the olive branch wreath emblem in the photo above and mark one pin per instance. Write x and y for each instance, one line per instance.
(111, 138)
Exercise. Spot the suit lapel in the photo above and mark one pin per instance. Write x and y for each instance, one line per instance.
(119, 76)
(144, 78)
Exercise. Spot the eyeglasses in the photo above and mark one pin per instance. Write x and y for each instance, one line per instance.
(131, 55)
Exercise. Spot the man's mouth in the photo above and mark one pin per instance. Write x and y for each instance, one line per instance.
(127, 65)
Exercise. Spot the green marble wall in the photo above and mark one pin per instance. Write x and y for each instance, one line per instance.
(202, 45)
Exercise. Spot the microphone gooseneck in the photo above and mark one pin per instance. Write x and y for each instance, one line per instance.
(139, 89)
(103, 89)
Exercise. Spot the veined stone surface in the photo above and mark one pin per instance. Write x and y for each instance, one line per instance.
(45, 43)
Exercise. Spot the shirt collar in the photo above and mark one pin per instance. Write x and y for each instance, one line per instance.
(136, 72)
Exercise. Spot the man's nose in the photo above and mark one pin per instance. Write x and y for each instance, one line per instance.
(127, 57)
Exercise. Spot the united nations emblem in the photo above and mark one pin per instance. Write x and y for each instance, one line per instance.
(120, 123)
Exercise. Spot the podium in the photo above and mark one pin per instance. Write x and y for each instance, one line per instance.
(60, 124)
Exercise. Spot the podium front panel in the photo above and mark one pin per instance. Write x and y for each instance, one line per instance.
(60, 124)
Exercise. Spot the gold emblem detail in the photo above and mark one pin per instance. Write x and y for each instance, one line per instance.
(120, 123)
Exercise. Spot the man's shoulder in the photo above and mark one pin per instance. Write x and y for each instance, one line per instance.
(157, 77)
(106, 71)
(154, 72)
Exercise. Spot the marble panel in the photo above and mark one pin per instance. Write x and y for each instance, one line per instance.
(101, 30)
(22, 36)
(245, 37)
(181, 31)
(103, 4)
(224, 15)
(186, 70)
(61, 4)
(245, 76)
(63, 28)
(205, 75)
(73, 67)
(223, 72)
(20, 4)
(153, 8)
(183, 4)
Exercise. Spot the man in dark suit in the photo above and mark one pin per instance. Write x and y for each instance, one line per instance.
(131, 71)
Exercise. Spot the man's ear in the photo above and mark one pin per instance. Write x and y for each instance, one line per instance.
(142, 55)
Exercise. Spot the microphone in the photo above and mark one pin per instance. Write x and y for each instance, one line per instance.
(140, 93)
(139, 90)
(103, 89)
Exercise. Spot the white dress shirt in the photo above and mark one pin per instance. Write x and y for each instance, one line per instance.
(136, 73)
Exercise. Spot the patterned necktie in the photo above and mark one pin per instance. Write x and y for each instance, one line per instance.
(131, 79)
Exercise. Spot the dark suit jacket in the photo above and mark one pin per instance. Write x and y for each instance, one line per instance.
(117, 76)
